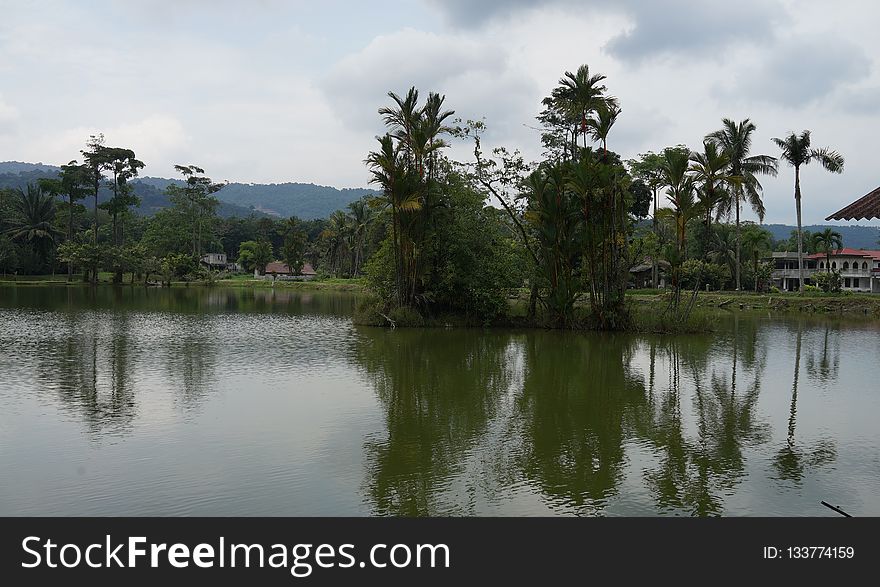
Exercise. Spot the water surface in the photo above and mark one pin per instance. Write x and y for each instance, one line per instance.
(196, 401)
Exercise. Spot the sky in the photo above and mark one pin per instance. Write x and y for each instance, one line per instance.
(271, 91)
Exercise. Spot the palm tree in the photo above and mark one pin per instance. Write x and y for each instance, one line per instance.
(796, 151)
(34, 219)
(360, 218)
(679, 191)
(735, 139)
(577, 96)
(599, 126)
(400, 192)
(756, 241)
(828, 240)
(710, 169)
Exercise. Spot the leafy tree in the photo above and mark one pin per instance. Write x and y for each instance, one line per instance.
(710, 170)
(797, 152)
(735, 140)
(197, 201)
(294, 248)
(255, 255)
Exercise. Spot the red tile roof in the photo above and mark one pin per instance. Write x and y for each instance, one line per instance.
(847, 252)
(865, 208)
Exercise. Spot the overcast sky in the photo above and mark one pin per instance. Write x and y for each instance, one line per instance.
(274, 91)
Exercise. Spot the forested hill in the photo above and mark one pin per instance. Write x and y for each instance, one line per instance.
(305, 200)
(856, 237)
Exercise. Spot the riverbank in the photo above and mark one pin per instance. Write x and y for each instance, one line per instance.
(105, 279)
(813, 303)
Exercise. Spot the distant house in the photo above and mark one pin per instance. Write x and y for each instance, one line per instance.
(642, 274)
(859, 269)
(217, 261)
(280, 270)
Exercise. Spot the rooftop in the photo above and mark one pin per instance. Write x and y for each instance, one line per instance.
(865, 208)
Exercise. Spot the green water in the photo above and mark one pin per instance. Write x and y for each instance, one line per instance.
(198, 401)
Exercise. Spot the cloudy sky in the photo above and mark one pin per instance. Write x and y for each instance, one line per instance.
(274, 91)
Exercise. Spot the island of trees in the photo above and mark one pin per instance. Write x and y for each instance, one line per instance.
(442, 237)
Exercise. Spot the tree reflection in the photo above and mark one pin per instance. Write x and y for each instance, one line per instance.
(92, 372)
(792, 459)
(438, 389)
(577, 395)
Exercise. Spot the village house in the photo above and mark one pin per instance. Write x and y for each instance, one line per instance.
(280, 270)
(859, 269)
(218, 262)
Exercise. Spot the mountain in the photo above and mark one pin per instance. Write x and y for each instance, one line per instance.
(304, 200)
(856, 237)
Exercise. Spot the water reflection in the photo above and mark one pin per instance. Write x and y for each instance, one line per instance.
(438, 391)
(285, 405)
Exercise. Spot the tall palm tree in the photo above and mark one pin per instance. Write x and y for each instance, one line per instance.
(400, 192)
(577, 96)
(735, 139)
(710, 170)
(34, 219)
(827, 241)
(796, 151)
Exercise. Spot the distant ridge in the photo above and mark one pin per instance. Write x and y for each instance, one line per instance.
(305, 200)
(854, 237)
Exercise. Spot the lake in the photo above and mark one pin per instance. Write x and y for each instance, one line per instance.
(213, 401)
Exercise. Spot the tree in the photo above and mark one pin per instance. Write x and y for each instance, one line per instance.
(361, 217)
(255, 255)
(294, 247)
(797, 152)
(97, 160)
(709, 169)
(648, 168)
(74, 184)
(197, 200)
(679, 191)
(34, 221)
(735, 140)
(827, 241)
(757, 241)
(124, 165)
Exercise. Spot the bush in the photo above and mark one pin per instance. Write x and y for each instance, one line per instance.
(829, 282)
(775, 290)
(811, 289)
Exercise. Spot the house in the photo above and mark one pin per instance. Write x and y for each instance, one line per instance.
(859, 269)
(785, 273)
(280, 270)
(214, 260)
(641, 276)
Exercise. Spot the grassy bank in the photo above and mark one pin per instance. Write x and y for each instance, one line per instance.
(811, 302)
(329, 284)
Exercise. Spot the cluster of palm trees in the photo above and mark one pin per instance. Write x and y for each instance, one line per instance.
(406, 167)
(577, 204)
(722, 178)
(344, 240)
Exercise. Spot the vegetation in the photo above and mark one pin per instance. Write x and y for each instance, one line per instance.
(441, 239)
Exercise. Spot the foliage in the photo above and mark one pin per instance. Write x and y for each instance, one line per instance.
(829, 281)
(255, 255)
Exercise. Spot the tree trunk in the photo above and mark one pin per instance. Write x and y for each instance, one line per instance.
(797, 201)
(655, 273)
(70, 236)
(738, 264)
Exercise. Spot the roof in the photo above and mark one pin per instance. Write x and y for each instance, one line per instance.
(280, 267)
(847, 252)
(865, 208)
